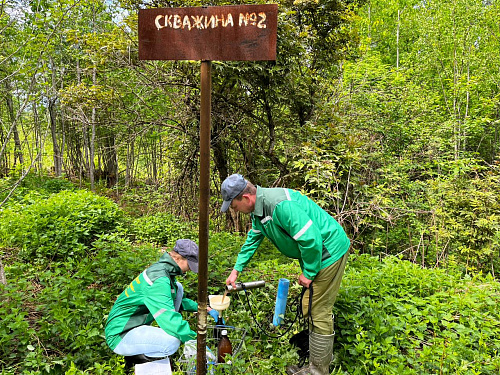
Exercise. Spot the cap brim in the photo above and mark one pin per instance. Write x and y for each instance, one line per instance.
(225, 205)
(193, 266)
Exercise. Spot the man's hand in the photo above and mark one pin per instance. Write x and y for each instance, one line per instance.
(232, 278)
(304, 281)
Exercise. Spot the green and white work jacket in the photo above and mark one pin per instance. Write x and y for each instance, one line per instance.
(150, 297)
(298, 227)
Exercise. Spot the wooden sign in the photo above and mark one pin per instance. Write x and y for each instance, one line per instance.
(239, 32)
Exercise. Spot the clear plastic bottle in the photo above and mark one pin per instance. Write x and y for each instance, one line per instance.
(224, 347)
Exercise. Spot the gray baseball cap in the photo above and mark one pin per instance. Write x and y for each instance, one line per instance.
(231, 188)
(189, 250)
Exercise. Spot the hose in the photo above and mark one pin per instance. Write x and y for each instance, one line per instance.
(298, 312)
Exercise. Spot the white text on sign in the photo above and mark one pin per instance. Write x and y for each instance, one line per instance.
(176, 21)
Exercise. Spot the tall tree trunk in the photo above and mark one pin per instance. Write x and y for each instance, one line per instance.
(82, 167)
(110, 161)
(38, 135)
(58, 157)
(129, 168)
(220, 159)
(219, 148)
(397, 41)
(18, 155)
(269, 152)
(53, 123)
(92, 140)
(154, 165)
(4, 163)
(86, 163)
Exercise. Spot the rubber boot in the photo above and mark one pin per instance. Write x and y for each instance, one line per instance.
(320, 353)
(320, 356)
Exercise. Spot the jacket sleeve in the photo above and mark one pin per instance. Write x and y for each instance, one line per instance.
(254, 238)
(160, 304)
(189, 305)
(297, 223)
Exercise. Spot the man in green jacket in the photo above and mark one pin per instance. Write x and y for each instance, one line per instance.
(302, 230)
(154, 295)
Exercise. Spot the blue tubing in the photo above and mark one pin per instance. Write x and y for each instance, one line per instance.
(281, 298)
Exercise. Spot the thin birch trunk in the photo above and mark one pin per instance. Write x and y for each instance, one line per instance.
(92, 140)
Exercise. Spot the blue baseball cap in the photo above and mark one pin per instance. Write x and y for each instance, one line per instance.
(231, 188)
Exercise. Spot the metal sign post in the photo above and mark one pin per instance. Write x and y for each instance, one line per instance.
(205, 117)
(240, 32)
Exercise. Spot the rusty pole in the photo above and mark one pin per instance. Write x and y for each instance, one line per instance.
(205, 120)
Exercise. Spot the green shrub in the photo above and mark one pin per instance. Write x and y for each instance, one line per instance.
(393, 317)
(434, 220)
(60, 227)
(161, 228)
(467, 220)
(16, 332)
(33, 183)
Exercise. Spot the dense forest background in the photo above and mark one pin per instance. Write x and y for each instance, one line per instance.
(385, 112)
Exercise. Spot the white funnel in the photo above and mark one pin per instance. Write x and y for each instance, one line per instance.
(217, 303)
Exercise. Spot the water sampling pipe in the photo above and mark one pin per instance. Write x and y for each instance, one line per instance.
(281, 297)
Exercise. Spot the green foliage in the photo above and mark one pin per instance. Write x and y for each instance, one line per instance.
(161, 228)
(328, 170)
(33, 184)
(397, 318)
(60, 227)
(390, 171)
(55, 318)
(114, 366)
(467, 220)
(433, 221)
(392, 317)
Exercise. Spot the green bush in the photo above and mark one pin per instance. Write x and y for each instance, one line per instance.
(393, 317)
(434, 221)
(161, 228)
(466, 222)
(57, 228)
(33, 183)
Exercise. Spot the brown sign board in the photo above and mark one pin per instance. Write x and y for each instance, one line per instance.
(234, 32)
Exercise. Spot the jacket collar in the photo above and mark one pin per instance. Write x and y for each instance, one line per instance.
(170, 265)
(259, 203)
